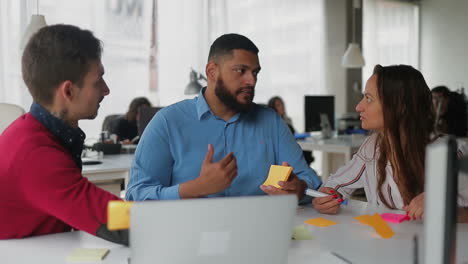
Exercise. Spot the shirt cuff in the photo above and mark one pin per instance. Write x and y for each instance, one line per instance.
(170, 193)
(311, 184)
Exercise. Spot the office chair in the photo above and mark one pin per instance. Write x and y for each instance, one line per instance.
(8, 114)
(145, 114)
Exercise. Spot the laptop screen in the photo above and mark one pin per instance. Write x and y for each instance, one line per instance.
(254, 229)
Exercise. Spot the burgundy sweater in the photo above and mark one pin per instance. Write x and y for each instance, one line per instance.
(42, 190)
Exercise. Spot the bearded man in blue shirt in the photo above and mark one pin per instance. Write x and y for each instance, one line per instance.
(219, 143)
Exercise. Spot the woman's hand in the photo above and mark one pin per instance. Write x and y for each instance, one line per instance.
(329, 204)
(415, 209)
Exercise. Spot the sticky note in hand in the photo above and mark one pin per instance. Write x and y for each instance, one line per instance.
(277, 173)
(87, 255)
(118, 215)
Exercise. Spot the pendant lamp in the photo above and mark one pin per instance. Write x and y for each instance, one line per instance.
(37, 22)
(353, 57)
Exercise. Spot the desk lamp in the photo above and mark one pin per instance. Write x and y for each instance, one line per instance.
(194, 86)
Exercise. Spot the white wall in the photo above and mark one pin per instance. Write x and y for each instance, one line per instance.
(179, 46)
(444, 42)
(335, 46)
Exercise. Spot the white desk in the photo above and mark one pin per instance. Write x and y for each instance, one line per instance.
(111, 172)
(344, 145)
(355, 242)
(361, 244)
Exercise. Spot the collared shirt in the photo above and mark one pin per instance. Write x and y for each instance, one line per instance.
(71, 138)
(175, 142)
(361, 172)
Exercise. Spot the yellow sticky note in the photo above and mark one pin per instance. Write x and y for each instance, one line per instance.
(277, 173)
(379, 225)
(319, 221)
(87, 254)
(300, 232)
(118, 215)
(363, 219)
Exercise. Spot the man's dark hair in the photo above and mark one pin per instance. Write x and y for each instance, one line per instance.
(56, 54)
(225, 44)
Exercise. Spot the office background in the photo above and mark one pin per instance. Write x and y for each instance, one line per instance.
(150, 45)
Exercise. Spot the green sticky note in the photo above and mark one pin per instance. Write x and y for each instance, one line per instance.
(87, 254)
(301, 233)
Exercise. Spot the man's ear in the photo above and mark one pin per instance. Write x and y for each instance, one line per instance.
(211, 71)
(66, 90)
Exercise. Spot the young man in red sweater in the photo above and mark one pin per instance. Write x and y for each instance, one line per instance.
(42, 190)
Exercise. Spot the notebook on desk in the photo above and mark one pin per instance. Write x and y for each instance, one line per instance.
(254, 229)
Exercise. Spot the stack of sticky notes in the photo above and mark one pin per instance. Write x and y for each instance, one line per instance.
(300, 232)
(375, 221)
(87, 254)
(277, 173)
(394, 218)
(118, 215)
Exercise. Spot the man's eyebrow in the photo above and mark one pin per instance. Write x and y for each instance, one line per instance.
(246, 66)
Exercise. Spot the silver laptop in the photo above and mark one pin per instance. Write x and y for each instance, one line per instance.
(255, 229)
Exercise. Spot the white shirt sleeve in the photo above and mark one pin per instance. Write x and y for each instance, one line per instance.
(352, 175)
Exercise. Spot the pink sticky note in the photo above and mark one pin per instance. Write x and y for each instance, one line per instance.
(394, 218)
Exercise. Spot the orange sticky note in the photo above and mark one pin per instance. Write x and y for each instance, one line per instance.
(118, 215)
(363, 219)
(277, 173)
(319, 221)
(379, 225)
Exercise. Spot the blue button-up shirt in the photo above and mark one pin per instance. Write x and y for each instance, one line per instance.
(71, 138)
(174, 144)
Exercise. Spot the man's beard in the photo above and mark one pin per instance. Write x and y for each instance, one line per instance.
(230, 100)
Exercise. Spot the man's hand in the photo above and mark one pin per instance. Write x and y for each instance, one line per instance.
(214, 176)
(294, 185)
(415, 210)
(329, 204)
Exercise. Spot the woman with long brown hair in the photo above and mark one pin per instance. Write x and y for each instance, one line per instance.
(126, 127)
(397, 108)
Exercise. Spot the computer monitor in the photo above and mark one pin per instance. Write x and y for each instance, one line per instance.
(440, 211)
(315, 105)
(145, 114)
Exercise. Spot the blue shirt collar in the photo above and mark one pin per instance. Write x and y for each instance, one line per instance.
(70, 138)
(201, 104)
(203, 107)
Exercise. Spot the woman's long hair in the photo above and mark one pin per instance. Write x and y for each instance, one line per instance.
(408, 123)
(133, 108)
(272, 102)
